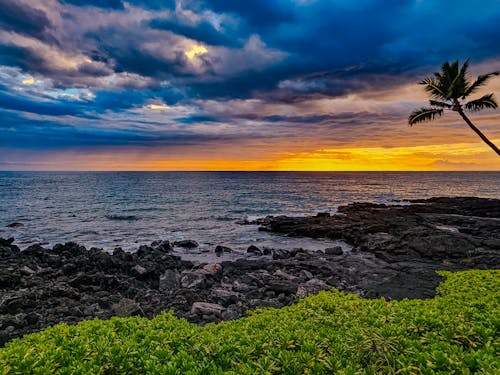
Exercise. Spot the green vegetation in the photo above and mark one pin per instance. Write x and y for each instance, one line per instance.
(456, 332)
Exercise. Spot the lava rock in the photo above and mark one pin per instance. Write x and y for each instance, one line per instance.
(337, 250)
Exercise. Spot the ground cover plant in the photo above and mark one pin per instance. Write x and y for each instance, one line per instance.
(454, 333)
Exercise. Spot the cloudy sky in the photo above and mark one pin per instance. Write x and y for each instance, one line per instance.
(238, 85)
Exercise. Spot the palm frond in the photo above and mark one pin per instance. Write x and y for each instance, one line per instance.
(434, 87)
(424, 114)
(479, 82)
(459, 81)
(486, 101)
(435, 103)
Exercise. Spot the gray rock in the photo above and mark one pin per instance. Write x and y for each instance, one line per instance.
(226, 297)
(312, 286)
(231, 313)
(139, 270)
(169, 280)
(126, 307)
(205, 308)
(193, 280)
(211, 269)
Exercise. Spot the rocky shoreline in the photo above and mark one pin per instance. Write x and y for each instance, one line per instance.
(396, 252)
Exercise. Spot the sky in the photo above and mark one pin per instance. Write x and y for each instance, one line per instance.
(239, 85)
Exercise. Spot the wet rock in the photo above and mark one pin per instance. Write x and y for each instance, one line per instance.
(15, 225)
(252, 249)
(6, 241)
(337, 250)
(163, 245)
(323, 214)
(187, 244)
(219, 249)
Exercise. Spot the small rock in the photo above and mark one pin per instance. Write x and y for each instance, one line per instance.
(212, 269)
(226, 297)
(219, 249)
(282, 287)
(187, 244)
(312, 286)
(252, 249)
(26, 271)
(205, 308)
(162, 245)
(231, 313)
(126, 307)
(337, 250)
(139, 270)
(323, 214)
(192, 280)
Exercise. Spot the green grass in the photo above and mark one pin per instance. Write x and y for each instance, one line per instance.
(454, 333)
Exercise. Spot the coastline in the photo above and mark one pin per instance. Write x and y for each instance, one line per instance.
(396, 253)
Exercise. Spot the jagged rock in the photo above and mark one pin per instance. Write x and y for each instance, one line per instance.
(169, 280)
(193, 280)
(139, 270)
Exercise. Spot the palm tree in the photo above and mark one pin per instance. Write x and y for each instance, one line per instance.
(448, 89)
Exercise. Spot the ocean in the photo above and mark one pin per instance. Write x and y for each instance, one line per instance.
(127, 209)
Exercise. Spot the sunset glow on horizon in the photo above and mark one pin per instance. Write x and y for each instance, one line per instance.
(216, 85)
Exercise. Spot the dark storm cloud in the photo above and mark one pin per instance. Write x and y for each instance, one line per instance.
(203, 32)
(22, 18)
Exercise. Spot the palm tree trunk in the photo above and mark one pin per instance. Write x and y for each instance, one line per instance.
(479, 133)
